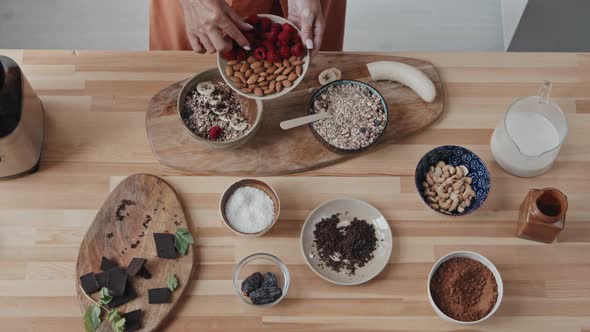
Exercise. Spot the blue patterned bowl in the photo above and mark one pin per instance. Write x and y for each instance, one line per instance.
(456, 155)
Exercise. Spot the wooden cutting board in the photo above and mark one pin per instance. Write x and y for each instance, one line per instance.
(156, 209)
(274, 151)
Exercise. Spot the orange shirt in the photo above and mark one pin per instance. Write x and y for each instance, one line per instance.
(167, 27)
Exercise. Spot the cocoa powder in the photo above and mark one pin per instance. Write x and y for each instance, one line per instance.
(464, 289)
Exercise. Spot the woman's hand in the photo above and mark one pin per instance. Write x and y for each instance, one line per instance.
(207, 23)
(308, 16)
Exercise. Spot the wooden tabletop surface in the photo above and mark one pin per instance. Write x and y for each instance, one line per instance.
(95, 137)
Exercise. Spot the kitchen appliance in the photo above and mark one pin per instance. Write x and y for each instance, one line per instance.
(21, 122)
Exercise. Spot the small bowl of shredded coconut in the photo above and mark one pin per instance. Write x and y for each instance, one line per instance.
(249, 207)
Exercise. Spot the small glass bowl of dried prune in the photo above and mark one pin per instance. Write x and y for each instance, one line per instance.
(261, 279)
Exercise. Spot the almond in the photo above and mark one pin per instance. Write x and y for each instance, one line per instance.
(246, 90)
(287, 71)
(292, 77)
(236, 66)
(236, 79)
(237, 74)
(232, 62)
(297, 63)
(243, 68)
(272, 84)
(292, 58)
(278, 64)
(287, 84)
(271, 69)
(258, 92)
(248, 73)
(260, 79)
(279, 86)
(278, 71)
(250, 59)
(256, 64)
(252, 79)
(269, 91)
(299, 70)
(271, 77)
(286, 63)
(263, 74)
(229, 71)
(259, 70)
(263, 84)
(267, 64)
(281, 78)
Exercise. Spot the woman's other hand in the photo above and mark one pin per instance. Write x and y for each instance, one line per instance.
(308, 16)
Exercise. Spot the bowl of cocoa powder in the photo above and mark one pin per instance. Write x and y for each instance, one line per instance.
(465, 288)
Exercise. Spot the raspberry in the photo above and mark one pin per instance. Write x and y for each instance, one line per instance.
(253, 19)
(276, 27)
(214, 132)
(296, 38)
(260, 53)
(285, 52)
(288, 27)
(250, 36)
(229, 55)
(272, 35)
(272, 56)
(265, 24)
(284, 38)
(241, 54)
(297, 50)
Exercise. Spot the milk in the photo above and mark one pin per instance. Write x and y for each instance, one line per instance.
(533, 133)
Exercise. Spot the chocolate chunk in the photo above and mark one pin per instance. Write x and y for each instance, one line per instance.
(129, 295)
(135, 266)
(89, 283)
(102, 278)
(132, 320)
(117, 280)
(165, 245)
(159, 295)
(107, 264)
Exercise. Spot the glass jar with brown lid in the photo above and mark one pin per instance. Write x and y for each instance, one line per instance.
(542, 215)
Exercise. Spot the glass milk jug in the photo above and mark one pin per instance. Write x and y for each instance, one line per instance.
(527, 141)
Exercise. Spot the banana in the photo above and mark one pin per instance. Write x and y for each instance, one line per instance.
(410, 76)
(238, 125)
(205, 88)
(329, 75)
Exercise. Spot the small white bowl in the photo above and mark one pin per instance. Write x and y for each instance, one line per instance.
(221, 63)
(479, 258)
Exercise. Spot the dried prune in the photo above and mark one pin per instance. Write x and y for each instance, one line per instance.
(265, 295)
(270, 280)
(252, 283)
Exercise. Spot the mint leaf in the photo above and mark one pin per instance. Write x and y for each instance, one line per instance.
(172, 283)
(91, 318)
(105, 297)
(182, 239)
(117, 322)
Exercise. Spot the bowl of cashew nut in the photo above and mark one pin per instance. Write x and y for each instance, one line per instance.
(452, 180)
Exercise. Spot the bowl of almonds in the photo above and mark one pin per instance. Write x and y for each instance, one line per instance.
(452, 180)
(275, 65)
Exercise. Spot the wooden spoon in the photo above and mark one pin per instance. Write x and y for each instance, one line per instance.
(289, 124)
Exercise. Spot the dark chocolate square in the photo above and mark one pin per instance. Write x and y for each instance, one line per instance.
(129, 295)
(107, 264)
(135, 266)
(117, 280)
(103, 279)
(89, 283)
(165, 245)
(159, 295)
(132, 320)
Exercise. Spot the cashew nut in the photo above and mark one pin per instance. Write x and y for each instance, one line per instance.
(440, 164)
(447, 188)
(469, 193)
(450, 169)
(459, 172)
(467, 180)
(454, 205)
(431, 200)
(457, 184)
(429, 179)
(446, 204)
(438, 172)
(429, 193)
(434, 206)
(468, 202)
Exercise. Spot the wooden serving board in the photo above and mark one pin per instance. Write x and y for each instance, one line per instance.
(274, 151)
(113, 239)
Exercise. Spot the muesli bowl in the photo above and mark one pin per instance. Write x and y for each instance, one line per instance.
(252, 109)
(380, 118)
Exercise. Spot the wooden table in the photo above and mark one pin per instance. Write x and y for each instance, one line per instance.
(95, 136)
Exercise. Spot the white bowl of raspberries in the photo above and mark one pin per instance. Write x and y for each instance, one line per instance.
(275, 65)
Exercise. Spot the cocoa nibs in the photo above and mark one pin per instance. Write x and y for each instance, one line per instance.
(464, 289)
(346, 247)
(120, 213)
(358, 116)
(215, 112)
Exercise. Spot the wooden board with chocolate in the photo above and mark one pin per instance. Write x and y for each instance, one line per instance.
(273, 151)
(129, 249)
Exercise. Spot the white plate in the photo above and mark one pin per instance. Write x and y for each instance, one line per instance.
(221, 63)
(360, 210)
